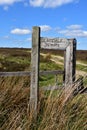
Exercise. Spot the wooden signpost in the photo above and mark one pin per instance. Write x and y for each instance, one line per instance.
(69, 47)
(34, 88)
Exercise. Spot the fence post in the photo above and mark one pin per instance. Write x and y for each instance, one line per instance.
(34, 88)
(70, 63)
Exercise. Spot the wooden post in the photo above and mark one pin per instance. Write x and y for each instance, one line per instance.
(70, 63)
(34, 88)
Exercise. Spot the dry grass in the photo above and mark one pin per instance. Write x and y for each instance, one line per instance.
(56, 110)
(60, 112)
(14, 97)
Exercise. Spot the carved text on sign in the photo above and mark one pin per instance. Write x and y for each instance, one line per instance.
(54, 43)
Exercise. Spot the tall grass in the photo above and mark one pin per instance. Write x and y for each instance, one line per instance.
(57, 110)
(14, 96)
(60, 112)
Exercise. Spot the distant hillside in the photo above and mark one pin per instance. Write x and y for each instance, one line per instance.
(81, 54)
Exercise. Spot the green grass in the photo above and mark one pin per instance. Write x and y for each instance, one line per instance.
(21, 62)
(81, 67)
(47, 64)
(51, 80)
(47, 80)
(14, 63)
(85, 82)
(50, 66)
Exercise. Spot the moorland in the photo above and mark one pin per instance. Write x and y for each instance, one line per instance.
(55, 112)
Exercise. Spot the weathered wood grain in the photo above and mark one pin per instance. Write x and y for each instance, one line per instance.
(54, 43)
(15, 73)
(27, 73)
(70, 63)
(34, 88)
(54, 72)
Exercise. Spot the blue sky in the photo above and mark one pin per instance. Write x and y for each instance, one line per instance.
(57, 18)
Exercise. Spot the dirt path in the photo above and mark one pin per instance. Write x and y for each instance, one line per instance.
(80, 63)
(59, 60)
(55, 59)
(78, 72)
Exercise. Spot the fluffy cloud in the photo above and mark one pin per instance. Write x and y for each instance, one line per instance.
(45, 28)
(8, 2)
(74, 31)
(19, 31)
(76, 26)
(50, 3)
(39, 3)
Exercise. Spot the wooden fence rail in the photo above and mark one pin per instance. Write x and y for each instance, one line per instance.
(27, 73)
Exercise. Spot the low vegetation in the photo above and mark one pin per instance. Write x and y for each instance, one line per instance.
(56, 111)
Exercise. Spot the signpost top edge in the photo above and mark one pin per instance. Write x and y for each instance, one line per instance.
(55, 43)
(58, 38)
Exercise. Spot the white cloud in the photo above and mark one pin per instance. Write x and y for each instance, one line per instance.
(19, 31)
(49, 3)
(8, 2)
(45, 28)
(73, 31)
(76, 26)
(39, 3)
